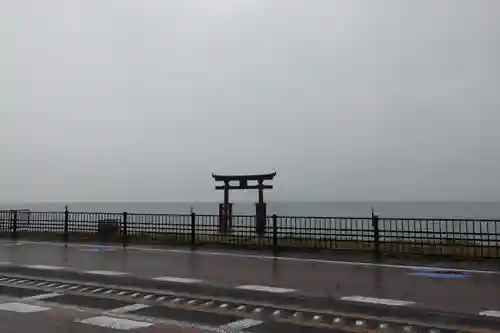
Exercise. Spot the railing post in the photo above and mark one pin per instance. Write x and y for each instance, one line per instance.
(66, 224)
(376, 235)
(275, 233)
(125, 234)
(193, 229)
(14, 224)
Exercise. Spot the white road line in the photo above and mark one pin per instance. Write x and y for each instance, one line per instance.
(47, 267)
(312, 260)
(116, 323)
(110, 273)
(266, 288)
(292, 259)
(22, 307)
(13, 244)
(129, 308)
(372, 300)
(490, 313)
(241, 324)
(5, 263)
(39, 297)
(177, 279)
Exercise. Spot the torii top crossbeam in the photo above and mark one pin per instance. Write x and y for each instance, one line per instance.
(243, 183)
(256, 177)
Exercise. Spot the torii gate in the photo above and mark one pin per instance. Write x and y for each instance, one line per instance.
(225, 209)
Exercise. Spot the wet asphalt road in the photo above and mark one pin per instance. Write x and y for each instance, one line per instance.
(468, 292)
(98, 315)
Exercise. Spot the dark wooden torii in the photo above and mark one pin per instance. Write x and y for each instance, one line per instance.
(225, 209)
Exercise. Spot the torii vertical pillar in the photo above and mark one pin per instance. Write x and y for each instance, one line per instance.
(225, 211)
(260, 211)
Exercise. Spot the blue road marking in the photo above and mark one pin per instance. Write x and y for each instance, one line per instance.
(101, 249)
(440, 275)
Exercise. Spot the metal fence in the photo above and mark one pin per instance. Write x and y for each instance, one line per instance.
(455, 238)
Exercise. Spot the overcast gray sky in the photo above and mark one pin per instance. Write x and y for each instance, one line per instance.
(346, 99)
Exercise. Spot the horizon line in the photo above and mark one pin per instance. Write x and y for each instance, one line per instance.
(248, 201)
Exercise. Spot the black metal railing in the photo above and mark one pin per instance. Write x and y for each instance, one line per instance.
(456, 238)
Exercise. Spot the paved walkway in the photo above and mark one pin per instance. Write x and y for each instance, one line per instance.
(455, 290)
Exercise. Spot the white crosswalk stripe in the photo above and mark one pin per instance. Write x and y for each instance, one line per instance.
(490, 313)
(241, 324)
(46, 267)
(22, 307)
(40, 297)
(110, 273)
(373, 300)
(129, 308)
(177, 279)
(267, 289)
(116, 323)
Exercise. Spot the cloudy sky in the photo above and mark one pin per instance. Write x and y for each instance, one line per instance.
(345, 99)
